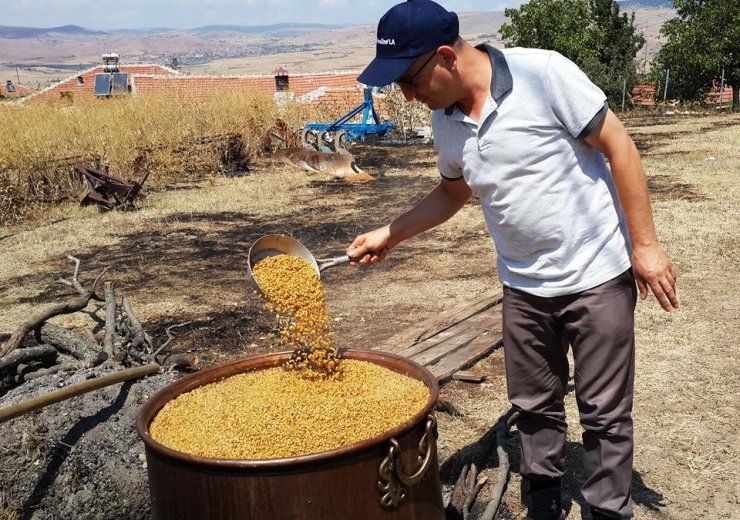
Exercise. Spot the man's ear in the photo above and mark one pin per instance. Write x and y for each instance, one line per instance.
(448, 57)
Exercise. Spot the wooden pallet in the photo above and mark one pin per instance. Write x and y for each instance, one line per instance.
(454, 339)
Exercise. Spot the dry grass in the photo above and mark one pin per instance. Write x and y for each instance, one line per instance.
(688, 381)
(174, 139)
(34, 440)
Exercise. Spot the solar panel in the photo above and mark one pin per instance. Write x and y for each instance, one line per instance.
(102, 84)
(120, 83)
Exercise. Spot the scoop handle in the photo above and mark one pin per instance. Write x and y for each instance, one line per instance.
(331, 262)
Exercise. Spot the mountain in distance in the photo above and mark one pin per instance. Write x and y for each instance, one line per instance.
(644, 3)
(279, 30)
(143, 31)
(17, 33)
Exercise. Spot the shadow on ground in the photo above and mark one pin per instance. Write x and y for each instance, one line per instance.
(573, 478)
(166, 260)
(378, 158)
(665, 188)
(201, 262)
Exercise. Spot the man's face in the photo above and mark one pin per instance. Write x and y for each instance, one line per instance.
(408, 80)
(421, 83)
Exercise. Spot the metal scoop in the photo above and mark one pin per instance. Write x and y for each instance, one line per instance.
(273, 245)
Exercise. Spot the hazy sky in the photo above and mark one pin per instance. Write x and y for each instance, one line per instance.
(104, 14)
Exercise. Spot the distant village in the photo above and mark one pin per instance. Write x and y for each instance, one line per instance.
(242, 51)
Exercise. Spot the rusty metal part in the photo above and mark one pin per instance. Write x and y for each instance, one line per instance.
(109, 192)
(340, 164)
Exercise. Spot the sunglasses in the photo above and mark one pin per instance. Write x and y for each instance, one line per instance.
(409, 83)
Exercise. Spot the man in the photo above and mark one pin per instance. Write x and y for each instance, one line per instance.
(527, 132)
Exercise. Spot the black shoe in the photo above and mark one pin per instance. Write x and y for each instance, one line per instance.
(563, 515)
(597, 515)
(546, 501)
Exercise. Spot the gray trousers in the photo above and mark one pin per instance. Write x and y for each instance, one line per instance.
(599, 326)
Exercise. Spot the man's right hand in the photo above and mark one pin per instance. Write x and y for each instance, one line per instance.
(371, 247)
(438, 206)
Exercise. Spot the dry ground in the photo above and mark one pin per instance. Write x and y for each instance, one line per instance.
(181, 258)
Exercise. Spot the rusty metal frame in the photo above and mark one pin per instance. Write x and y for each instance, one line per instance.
(108, 191)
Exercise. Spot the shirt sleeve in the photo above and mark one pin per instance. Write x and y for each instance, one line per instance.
(448, 167)
(575, 101)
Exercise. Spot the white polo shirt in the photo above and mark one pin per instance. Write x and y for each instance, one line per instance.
(547, 196)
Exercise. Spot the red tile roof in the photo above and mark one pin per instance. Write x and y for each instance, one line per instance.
(20, 90)
(333, 92)
(156, 79)
(200, 86)
(72, 87)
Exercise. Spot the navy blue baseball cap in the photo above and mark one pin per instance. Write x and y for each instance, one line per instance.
(405, 32)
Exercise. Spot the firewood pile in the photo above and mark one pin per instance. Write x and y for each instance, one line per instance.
(38, 348)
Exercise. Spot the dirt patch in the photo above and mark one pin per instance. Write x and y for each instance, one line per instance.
(408, 157)
(646, 144)
(665, 187)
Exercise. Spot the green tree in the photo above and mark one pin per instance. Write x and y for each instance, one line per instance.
(592, 33)
(702, 40)
(618, 45)
(565, 26)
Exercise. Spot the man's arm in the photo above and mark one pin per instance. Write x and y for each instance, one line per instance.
(650, 264)
(439, 205)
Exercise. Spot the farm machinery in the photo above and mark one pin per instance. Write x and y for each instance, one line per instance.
(343, 133)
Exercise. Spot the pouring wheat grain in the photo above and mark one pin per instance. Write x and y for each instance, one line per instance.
(295, 294)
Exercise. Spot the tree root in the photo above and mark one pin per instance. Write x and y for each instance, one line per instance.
(73, 305)
(502, 473)
(469, 483)
(125, 343)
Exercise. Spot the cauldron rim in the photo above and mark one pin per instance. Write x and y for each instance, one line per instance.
(394, 362)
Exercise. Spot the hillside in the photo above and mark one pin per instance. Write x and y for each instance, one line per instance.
(45, 55)
(281, 30)
(16, 33)
(645, 3)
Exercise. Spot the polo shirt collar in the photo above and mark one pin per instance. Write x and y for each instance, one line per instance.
(501, 82)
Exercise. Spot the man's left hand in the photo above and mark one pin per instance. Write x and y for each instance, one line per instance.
(653, 268)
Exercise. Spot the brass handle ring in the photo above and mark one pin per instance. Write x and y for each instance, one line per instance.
(393, 479)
